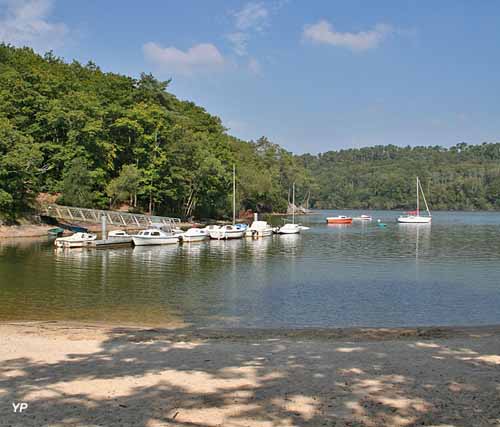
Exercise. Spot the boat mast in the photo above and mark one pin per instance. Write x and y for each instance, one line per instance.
(234, 194)
(418, 198)
(425, 200)
(293, 203)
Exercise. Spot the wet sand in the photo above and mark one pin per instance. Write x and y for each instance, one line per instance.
(87, 375)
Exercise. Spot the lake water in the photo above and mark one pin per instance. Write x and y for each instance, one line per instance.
(329, 276)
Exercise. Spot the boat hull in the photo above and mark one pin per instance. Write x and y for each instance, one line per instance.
(289, 229)
(297, 231)
(339, 220)
(415, 220)
(226, 234)
(150, 241)
(259, 233)
(191, 239)
(81, 244)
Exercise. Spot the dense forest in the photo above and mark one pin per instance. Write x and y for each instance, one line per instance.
(463, 177)
(101, 139)
(98, 139)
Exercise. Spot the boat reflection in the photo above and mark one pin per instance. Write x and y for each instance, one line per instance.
(417, 234)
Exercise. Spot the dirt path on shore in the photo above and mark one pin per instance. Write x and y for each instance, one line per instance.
(89, 375)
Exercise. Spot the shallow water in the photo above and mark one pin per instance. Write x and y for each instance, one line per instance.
(329, 276)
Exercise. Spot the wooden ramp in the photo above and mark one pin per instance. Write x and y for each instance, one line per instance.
(123, 219)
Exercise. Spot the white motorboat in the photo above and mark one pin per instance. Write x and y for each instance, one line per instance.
(226, 232)
(363, 218)
(195, 235)
(259, 229)
(120, 236)
(77, 240)
(231, 232)
(155, 236)
(414, 217)
(213, 231)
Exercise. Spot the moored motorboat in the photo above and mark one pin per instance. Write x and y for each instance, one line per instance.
(227, 232)
(363, 218)
(77, 240)
(154, 236)
(232, 232)
(195, 235)
(340, 219)
(119, 236)
(259, 229)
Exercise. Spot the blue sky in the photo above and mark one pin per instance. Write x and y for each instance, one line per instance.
(312, 76)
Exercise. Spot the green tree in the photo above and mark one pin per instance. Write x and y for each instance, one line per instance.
(125, 186)
(77, 184)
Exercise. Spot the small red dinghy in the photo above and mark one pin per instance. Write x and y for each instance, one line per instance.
(341, 219)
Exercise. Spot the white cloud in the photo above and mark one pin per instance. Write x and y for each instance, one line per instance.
(252, 16)
(201, 57)
(238, 41)
(25, 23)
(248, 21)
(323, 33)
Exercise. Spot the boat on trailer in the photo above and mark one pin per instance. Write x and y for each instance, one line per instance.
(414, 217)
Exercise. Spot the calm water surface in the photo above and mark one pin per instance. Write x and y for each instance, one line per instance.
(336, 276)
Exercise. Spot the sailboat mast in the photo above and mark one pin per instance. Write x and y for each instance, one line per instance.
(234, 194)
(293, 203)
(418, 198)
(425, 200)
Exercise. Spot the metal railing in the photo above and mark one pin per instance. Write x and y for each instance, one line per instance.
(117, 218)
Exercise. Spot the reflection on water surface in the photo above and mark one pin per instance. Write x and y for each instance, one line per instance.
(359, 275)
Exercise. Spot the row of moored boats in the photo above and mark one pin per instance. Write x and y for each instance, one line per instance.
(162, 235)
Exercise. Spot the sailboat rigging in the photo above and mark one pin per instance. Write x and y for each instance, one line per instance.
(415, 217)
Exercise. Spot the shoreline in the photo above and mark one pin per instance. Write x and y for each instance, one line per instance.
(186, 331)
(79, 373)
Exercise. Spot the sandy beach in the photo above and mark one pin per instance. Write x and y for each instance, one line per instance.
(96, 375)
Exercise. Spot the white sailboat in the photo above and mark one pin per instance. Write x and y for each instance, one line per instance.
(291, 228)
(234, 231)
(415, 217)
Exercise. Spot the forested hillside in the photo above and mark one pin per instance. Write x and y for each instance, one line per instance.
(463, 177)
(101, 139)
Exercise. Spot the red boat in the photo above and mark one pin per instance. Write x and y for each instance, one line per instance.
(341, 219)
